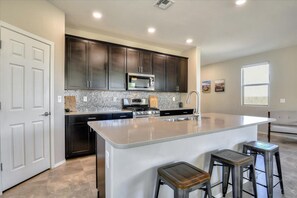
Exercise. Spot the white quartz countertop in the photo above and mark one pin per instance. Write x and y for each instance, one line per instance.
(96, 112)
(129, 133)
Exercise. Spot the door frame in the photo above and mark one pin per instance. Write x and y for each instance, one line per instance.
(51, 94)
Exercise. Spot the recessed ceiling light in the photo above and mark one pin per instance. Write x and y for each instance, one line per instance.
(151, 30)
(97, 15)
(189, 41)
(240, 2)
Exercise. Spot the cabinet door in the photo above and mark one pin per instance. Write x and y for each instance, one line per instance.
(76, 63)
(80, 140)
(133, 64)
(171, 74)
(183, 75)
(159, 71)
(117, 68)
(146, 62)
(98, 64)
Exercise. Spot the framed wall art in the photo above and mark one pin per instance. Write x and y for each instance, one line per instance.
(219, 85)
(206, 86)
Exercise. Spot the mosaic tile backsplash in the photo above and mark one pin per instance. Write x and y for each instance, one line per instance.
(112, 100)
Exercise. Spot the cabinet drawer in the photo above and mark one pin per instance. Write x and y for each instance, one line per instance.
(176, 112)
(122, 115)
(89, 117)
(186, 111)
(167, 113)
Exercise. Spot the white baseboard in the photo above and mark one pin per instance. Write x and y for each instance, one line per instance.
(59, 163)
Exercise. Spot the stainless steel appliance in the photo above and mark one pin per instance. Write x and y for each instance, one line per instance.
(143, 82)
(140, 107)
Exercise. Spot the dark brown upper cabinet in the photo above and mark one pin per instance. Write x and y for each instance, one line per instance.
(86, 64)
(117, 67)
(76, 63)
(171, 74)
(159, 63)
(139, 61)
(98, 65)
(183, 75)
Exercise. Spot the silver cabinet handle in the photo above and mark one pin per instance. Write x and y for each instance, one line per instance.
(46, 114)
(166, 113)
(92, 118)
(123, 116)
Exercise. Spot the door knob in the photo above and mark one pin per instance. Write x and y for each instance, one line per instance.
(46, 114)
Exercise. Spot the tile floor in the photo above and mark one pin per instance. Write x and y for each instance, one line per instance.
(76, 178)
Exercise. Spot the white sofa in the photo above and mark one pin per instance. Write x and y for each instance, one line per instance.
(286, 122)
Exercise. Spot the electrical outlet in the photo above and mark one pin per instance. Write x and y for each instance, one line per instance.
(282, 100)
(114, 99)
(59, 99)
(173, 99)
(85, 99)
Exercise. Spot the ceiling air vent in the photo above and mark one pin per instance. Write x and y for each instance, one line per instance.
(164, 4)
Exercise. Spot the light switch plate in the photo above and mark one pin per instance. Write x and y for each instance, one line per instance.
(85, 99)
(114, 99)
(173, 99)
(59, 99)
(282, 100)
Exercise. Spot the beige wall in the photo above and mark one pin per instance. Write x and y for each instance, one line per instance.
(193, 74)
(43, 19)
(283, 70)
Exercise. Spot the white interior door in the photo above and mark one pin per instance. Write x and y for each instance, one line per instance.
(24, 83)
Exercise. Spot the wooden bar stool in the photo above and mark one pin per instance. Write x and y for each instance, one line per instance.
(267, 150)
(183, 178)
(235, 162)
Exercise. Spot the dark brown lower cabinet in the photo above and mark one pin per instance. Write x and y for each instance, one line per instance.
(176, 112)
(80, 139)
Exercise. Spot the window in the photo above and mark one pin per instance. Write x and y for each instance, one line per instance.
(255, 84)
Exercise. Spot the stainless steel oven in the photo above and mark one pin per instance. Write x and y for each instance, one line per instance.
(141, 82)
(140, 107)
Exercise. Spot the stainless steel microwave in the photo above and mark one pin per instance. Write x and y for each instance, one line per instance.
(140, 82)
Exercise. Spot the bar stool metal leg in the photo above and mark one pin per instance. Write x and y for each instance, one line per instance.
(253, 178)
(210, 173)
(237, 176)
(268, 158)
(208, 190)
(158, 183)
(179, 193)
(225, 177)
(279, 170)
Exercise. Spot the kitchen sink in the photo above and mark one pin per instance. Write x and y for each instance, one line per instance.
(178, 119)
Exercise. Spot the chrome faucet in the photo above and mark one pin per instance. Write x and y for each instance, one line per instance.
(196, 111)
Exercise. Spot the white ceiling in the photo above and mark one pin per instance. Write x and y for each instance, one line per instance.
(222, 30)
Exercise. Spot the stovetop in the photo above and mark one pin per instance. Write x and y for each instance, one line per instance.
(140, 107)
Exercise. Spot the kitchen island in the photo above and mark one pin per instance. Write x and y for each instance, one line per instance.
(130, 151)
